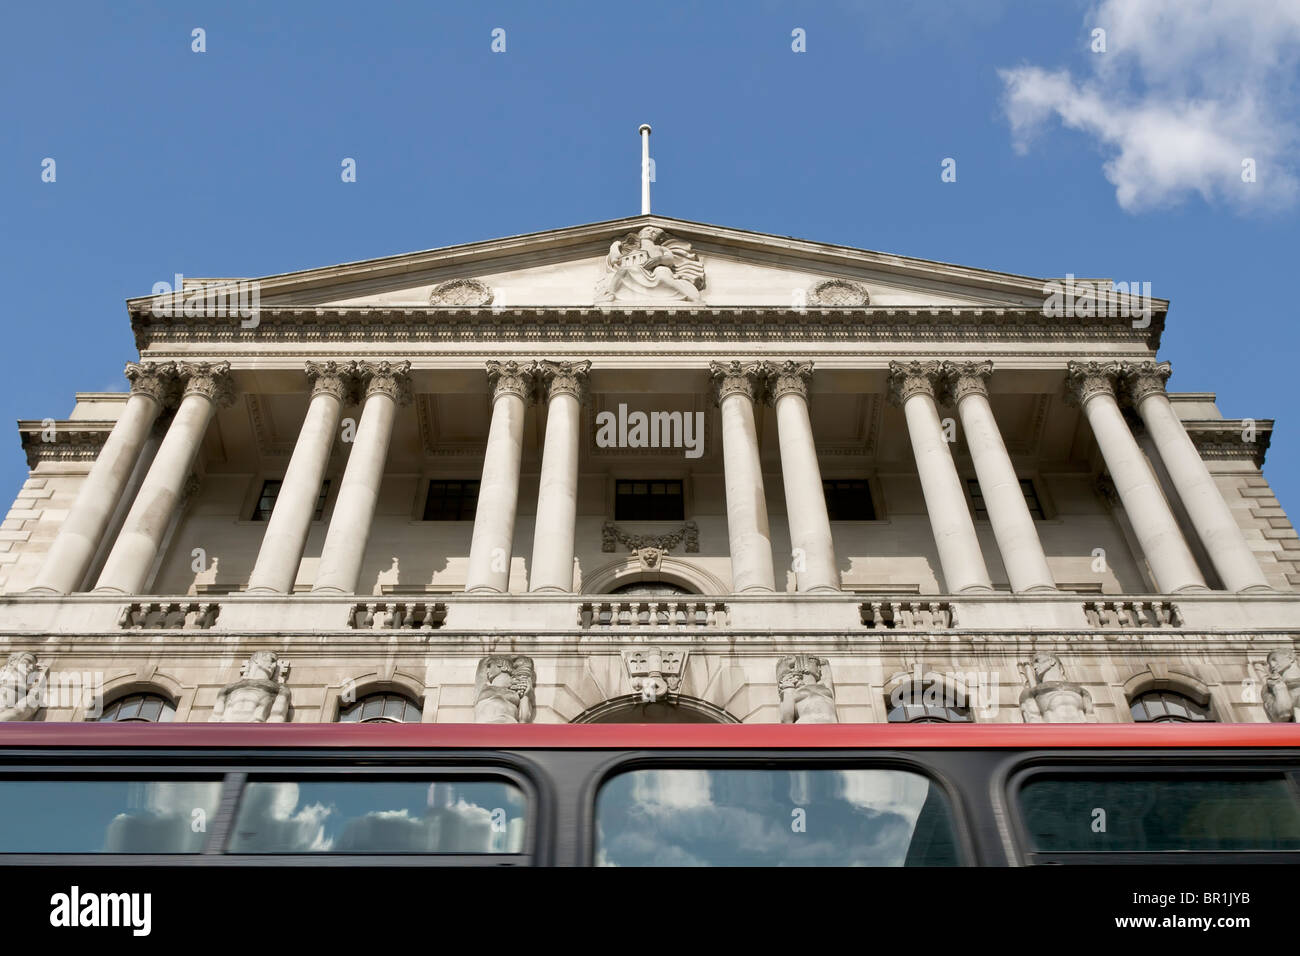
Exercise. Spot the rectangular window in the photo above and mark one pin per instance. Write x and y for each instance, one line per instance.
(1026, 489)
(323, 815)
(271, 491)
(454, 500)
(650, 500)
(848, 500)
(701, 817)
(113, 815)
(1160, 813)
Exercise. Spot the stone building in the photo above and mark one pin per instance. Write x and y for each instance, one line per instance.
(647, 469)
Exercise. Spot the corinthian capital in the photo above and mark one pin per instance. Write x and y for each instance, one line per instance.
(386, 378)
(1144, 379)
(564, 378)
(209, 379)
(736, 378)
(965, 378)
(1087, 380)
(333, 378)
(909, 379)
(787, 378)
(155, 379)
(512, 378)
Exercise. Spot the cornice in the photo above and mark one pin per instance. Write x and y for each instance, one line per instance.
(73, 440)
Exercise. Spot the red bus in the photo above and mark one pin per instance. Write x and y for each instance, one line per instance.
(648, 795)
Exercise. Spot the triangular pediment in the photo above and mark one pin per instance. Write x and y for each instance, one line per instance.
(648, 261)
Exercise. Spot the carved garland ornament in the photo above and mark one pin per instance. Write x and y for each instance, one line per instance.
(611, 535)
(839, 293)
(461, 292)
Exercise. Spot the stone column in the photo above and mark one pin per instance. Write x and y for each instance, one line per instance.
(1092, 385)
(74, 548)
(386, 385)
(565, 386)
(513, 387)
(1210, 515)
(966, 386)
(736, 387)
(912, 385)
(207, 387)
(805, 499)
(332, 384)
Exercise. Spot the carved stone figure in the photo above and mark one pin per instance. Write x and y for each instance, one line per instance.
(22, 683)
(503, 691)
(259, 696)
(1280, 686)
(648, 264)
(1049, 698)
(804, 698)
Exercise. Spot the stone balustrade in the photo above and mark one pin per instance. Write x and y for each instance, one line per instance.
(1137, 614)
(392, 615)
(169, 615)
(683, 614)
(906, 615)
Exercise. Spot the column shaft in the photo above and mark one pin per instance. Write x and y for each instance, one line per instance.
(137, 544)
(498, 495)
(79, 537)
(354, 509)
(1166, 552)
(1209, 513)
(286, 533)
(557, 496)
(751, 539)
(805, 500)
(960, 557)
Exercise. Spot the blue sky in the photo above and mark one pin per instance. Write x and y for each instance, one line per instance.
(227, 162)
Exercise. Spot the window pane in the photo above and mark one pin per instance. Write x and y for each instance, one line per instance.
(848, 500)
(743, 818)
(1161, 814)
(130, 708)
(379, 816)
(648, 501)
(76, 815)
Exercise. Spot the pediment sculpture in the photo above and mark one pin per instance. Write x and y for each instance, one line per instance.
(651, 266)
(259, 696)
(1048, 698)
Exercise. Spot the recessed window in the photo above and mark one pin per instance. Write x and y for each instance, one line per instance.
(454, 500)
(651, 500)
(271, 492)
(848, 499)
(381, 709)
(146, 708)
(1164, 706)
(1026, 488)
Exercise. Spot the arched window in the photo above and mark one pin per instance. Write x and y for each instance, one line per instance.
(650, 588)
(911, 705)
(1167, 706)
(144, 707)
(386, 708)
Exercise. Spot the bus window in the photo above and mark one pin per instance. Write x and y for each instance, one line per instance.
(379, 815)
(80, 815)
(773, 817)
(1154, 814)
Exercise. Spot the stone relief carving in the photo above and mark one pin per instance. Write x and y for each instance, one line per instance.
(655, 672)
(259, 696)
(611, 535)
(1280, 686)
(650, 264)
(503, 691)
(839, 293)
(1049, 698)
(463, 292)
(22, 685)
(804, 698)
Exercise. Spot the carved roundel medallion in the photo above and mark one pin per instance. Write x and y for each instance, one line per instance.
(838, 292)
(463, 292)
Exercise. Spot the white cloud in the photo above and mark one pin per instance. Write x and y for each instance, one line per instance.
(1186, 90)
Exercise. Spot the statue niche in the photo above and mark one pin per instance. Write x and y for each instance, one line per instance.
(258, 697)
(649, 265)
(804, 698)
(503, 691)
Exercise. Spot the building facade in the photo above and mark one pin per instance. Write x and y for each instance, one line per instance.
(648, 469)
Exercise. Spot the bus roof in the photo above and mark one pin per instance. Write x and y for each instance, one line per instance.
(646, 736)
